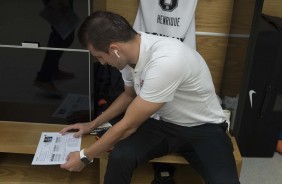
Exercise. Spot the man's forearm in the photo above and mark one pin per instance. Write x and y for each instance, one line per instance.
(106, 142)
(118, 107)
(137, 112)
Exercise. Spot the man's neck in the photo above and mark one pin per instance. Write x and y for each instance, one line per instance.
(133, 51)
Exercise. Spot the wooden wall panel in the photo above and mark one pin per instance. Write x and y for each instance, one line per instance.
(126, 8)
(236, 52)
(234, 66)
(213, 50)
(214, 16)
(273, 8)
(99, 5)
(242, 16)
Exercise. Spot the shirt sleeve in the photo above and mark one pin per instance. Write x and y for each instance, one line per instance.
(127, 76)
(161, 80)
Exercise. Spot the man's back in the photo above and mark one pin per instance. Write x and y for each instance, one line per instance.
(169, 71)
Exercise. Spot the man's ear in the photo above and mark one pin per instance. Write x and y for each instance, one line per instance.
(115, 50)
(113, 47)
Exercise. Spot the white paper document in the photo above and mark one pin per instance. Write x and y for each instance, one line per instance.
(53, 148)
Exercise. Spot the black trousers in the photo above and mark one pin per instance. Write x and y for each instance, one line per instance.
(207, 147)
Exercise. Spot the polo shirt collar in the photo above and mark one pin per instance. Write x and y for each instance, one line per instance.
(143, 54)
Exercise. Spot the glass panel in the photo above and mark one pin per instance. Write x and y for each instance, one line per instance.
(26, 97)
(27, 21)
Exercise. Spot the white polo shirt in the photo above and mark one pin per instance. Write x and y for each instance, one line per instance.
(173, 73)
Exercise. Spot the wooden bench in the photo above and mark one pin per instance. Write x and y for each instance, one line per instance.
(22, 138)
(18, 144)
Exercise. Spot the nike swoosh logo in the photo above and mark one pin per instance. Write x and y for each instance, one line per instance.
(251, 92)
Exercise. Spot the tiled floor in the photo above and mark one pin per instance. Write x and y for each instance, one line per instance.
(262, 170)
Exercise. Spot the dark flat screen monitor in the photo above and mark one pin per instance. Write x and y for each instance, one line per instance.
(45, 22)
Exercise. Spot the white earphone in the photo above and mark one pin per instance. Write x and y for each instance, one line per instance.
(116, 52)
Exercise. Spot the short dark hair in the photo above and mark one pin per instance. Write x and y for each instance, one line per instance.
(102, 28)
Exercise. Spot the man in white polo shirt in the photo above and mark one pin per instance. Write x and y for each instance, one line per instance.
(162, 77)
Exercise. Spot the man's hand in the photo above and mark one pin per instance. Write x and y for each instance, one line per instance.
(82, 128)
(73, 162)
